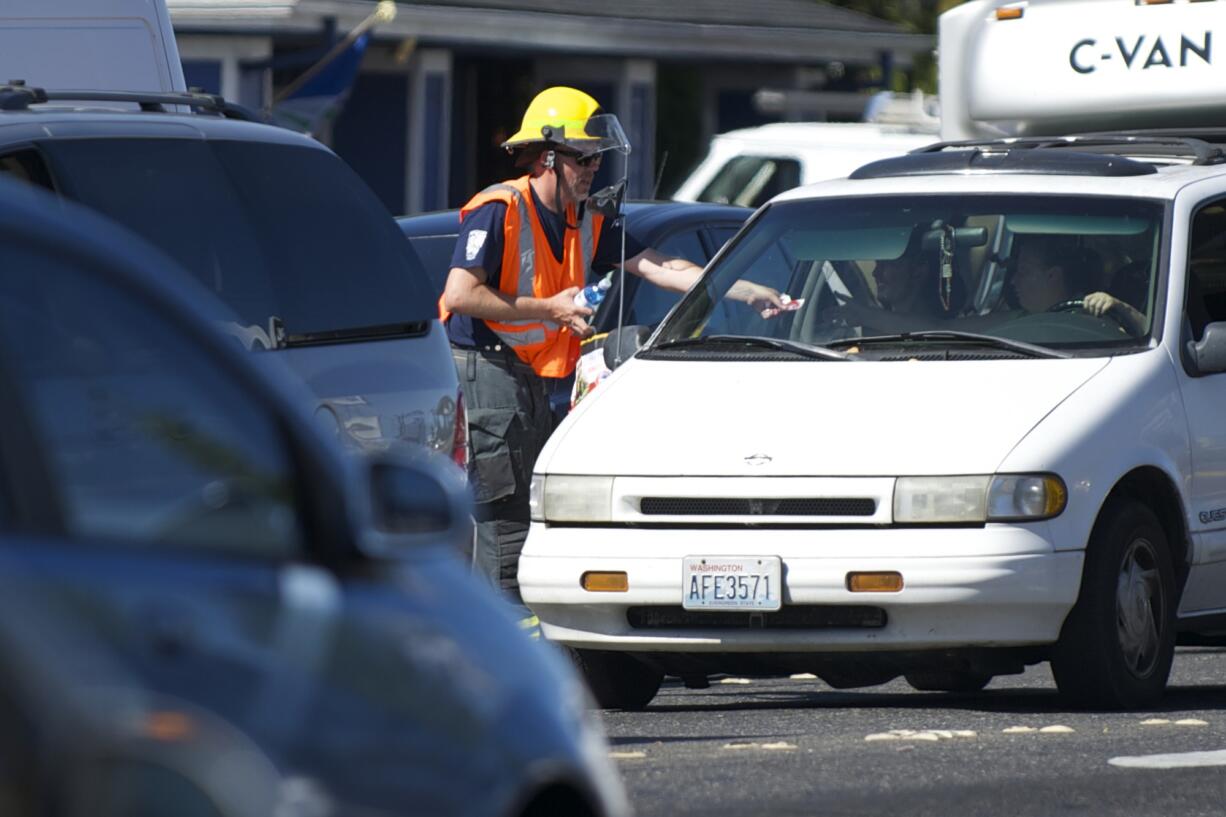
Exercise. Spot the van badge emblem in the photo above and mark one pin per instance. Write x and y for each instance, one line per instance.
(757, 459)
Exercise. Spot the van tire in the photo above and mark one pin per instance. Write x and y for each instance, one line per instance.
(1118, 642)
(948, 680)
(617, 680)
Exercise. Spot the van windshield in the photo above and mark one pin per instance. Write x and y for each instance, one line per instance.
(279, 232)
(863, 275)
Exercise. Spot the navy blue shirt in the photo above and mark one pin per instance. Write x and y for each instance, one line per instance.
(480, 242)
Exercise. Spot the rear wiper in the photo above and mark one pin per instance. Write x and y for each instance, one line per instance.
(804, 349)
(381, 331)
(938, 335)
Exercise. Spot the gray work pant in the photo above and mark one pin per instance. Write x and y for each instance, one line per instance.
(508, 423)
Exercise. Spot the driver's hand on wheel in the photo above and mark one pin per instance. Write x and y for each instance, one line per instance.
(1100, 303)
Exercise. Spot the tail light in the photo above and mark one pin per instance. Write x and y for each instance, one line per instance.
(459, 451)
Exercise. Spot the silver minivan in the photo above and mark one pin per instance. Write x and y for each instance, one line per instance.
(272, 222)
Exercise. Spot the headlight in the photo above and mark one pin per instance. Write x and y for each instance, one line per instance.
(927, 500)
(1026, 497)
(963, 499)
(567, 498)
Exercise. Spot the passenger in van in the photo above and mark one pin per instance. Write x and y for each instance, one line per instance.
(508, 305)
(908, 291)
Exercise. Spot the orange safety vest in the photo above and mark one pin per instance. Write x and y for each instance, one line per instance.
(529, 269)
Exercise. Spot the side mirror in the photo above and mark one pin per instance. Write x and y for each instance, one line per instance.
(621, 344)
(1208, 355)
(416, 503)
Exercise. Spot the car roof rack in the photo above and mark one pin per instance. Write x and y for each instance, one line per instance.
(1115, 153)
(17, 96)
(1001, 160)
(1195, 146)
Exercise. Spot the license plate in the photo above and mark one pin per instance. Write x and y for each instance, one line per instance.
(731, 583)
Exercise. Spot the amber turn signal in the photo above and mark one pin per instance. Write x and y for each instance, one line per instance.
(596, 581)
(881, 582)
(1010, 13)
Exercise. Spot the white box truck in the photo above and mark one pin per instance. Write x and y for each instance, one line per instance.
(119, 45)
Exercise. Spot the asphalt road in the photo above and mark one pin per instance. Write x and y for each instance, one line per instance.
(797, 747)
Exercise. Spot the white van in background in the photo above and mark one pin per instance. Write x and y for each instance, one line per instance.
(59, 45)
(750, 166)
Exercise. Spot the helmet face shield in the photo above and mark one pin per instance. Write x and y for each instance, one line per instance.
(587, 136)
(599, 134)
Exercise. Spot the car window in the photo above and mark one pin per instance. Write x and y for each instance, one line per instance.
(434, 254)
(1206, 299)
(1020, 268)
(722, 235)
(147, 441)
(752, 180)
(27, 166)
(276, 231)
(651, 303)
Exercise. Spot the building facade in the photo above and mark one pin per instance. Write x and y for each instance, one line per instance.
(442, 83)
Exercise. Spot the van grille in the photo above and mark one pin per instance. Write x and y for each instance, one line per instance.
(790, 617)
(726, 506)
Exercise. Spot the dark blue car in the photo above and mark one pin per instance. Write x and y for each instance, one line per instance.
(684, 229)
(164, 493)
(688, 230)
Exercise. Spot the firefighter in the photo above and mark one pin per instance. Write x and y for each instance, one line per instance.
(524, 250)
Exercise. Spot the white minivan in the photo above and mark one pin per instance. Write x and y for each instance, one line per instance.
(986, 432)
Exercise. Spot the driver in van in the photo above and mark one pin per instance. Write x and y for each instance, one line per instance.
(1054, 271)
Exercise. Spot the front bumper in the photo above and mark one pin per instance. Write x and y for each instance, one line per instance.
(994, 586)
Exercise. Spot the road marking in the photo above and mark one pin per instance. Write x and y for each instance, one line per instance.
(1155, 722)
(1057, 729)
(627, 755)
(927, 735)
(781, 746)
(734, 681)
(1182, 760)
(1191, 722)
(1018, 730)
(803, 676)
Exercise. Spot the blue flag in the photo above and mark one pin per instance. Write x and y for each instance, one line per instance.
(310, 108)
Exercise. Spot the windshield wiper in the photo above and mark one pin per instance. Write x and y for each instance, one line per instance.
(381, 331)
(804, 349)
(938, 335)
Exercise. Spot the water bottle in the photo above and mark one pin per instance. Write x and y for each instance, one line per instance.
(592, 294)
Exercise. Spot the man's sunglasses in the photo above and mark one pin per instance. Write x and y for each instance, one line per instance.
(580, 159)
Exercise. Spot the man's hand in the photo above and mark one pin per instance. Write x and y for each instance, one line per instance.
(562, 310)
(1100, 303)
(762, 298)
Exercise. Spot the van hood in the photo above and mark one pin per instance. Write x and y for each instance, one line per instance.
(708, 418)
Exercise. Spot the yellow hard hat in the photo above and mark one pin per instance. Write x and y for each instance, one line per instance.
(557, 115)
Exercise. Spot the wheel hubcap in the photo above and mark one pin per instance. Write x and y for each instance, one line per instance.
(1140, 607)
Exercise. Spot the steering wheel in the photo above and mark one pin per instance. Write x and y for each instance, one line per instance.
(1078, 305)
